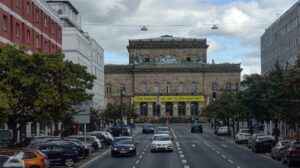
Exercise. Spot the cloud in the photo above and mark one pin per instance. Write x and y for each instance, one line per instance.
(117, 21)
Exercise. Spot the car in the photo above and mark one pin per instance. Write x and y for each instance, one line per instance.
(87, 147)
(291, 154)
(223, 131)
(261, 143)
(242, 136)
(277, 150)
(105, 141)
(163, 129)
(11, 162)
(148, 128)
(123, 147)
(161, 142)
(59, 154)
(122, 138)
(32, 158)
(116, 131)
(96, 143)
(196, 127)
(167, 132)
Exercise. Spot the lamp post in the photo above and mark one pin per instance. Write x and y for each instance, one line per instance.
(122, 93)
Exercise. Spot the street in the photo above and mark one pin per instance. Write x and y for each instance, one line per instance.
(190, 150)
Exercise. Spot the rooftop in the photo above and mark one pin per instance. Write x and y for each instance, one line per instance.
(66, 2)
(169, 38)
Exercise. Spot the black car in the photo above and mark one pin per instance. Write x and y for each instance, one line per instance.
(59, 154)
(116, 131)
(104, 141)
(291, 154)
(148, 128)
(123, 147)
(261, 143)
(277, 150)
(197, 127)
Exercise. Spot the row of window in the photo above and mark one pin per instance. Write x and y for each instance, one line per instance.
(169, 109)
(156, 88)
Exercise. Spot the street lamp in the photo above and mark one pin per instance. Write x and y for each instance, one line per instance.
(122, 93)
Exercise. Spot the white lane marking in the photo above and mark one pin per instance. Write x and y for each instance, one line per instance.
(92, 160)
(182, 156)
(213, 148)
(183, 161)
(238, 167)
(179, 148)
(143, 153)
(218, 152)
(179, 151)
(224, 156)
(225, 146)
(185, 166)
(141, 156)
(230, 161)
(137, 162)
(133, 167)
(177, 143)
(193, 145)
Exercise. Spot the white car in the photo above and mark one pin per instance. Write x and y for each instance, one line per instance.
(161, 142)
(242, 136)
(223, 131)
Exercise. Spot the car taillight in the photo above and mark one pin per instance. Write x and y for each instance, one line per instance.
(44, 159)
(292, 150)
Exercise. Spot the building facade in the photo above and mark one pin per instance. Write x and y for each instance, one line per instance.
(280, 41)
(30, 23)
(169, 77)
(81, 48)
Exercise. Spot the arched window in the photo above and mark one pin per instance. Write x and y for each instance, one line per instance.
(123, 87)
(181, 109)
(156, 88)
(144, 109)
(144, 87)
(169, 87)
(194, 109)
(214, 86)
(193, 88)
(108, 90)
(228, 87)
(181, 87)
(156, 110)
(169, 109)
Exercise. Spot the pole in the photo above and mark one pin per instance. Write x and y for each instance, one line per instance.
(121, 109)
(85, 132)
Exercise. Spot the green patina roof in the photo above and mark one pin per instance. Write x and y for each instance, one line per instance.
(169, 38)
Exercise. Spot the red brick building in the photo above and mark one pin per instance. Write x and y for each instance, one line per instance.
(30, 23)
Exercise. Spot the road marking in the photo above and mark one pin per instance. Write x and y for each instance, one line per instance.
(230, 161)
(133, 167)
(177, 143)
(225, 146)
(213, 148)
(185, 166)
(179, 148)
(137, 162)
(143, 152)
(182, 156)
(183, 161)
(193, 145)
(179, 151)
(224, 156)
(92, 160)
(218, 152)
(238, 167)
(141, 156)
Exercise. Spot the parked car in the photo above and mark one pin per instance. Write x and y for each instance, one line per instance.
(148, 128)
(261, 142)
(223, 131)
(123, 147)
(96, 143)
(242, 136)
(59, 154)
(87, 147)
(291, 155)
(277, 150)
(105, 141)
(11, 162)
(161, 142)
(196, 127)
(32, 158)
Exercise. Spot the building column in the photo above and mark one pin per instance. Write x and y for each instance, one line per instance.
(188, 109)
(150, 110)
(28, 129)
(59, 128)
(175, 109)
(5, 126)
(18, 134)
(266, 127)
(162, 109)
(52, 128)
(46, 130)
(37, 129)
(271, 127)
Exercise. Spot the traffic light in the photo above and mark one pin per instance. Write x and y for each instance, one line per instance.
(214, 96)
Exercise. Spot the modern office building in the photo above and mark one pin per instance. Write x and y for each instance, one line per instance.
(30, 23)
(169, 77)
(280, 41)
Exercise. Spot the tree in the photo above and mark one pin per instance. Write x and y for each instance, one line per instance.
(41, 88)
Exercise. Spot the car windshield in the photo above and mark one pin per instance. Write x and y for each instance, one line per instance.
(163, 132)
(125, 142)
(265, 137)
(245, 131)
(161, 138)
(122, 138)
(285, 143)
(296, 145)
(163, 129)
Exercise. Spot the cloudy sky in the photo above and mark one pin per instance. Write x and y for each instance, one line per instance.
(241, 23)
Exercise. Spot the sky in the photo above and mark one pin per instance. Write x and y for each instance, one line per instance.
(241, 23)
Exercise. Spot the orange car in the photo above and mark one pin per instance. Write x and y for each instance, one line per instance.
(32, 158)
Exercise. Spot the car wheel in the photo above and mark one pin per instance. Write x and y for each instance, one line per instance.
(69, 162)
(282, 160)
(171, 150)
(152, 151)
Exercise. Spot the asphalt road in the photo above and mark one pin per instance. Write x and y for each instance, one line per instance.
(190, 151)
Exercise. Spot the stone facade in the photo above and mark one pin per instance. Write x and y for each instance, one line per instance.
(164, 86)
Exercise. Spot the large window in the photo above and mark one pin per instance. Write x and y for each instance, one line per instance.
(181, 109)
(156, 88)
(181, 87)
(144, 109)
(28, 8)
(193, 88)
(169, 87)
(4, 22)
(194, 109)
(144, 88)
(156, 110)
(214, 87)
(37, 42)
(17, 30)
(108, 90)
(169, 109)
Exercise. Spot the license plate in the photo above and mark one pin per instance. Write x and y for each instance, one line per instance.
(123, 151)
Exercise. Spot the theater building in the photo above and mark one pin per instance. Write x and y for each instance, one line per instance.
(168, 77)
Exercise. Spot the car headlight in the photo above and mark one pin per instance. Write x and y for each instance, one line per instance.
(115, 149)
(130, 148)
